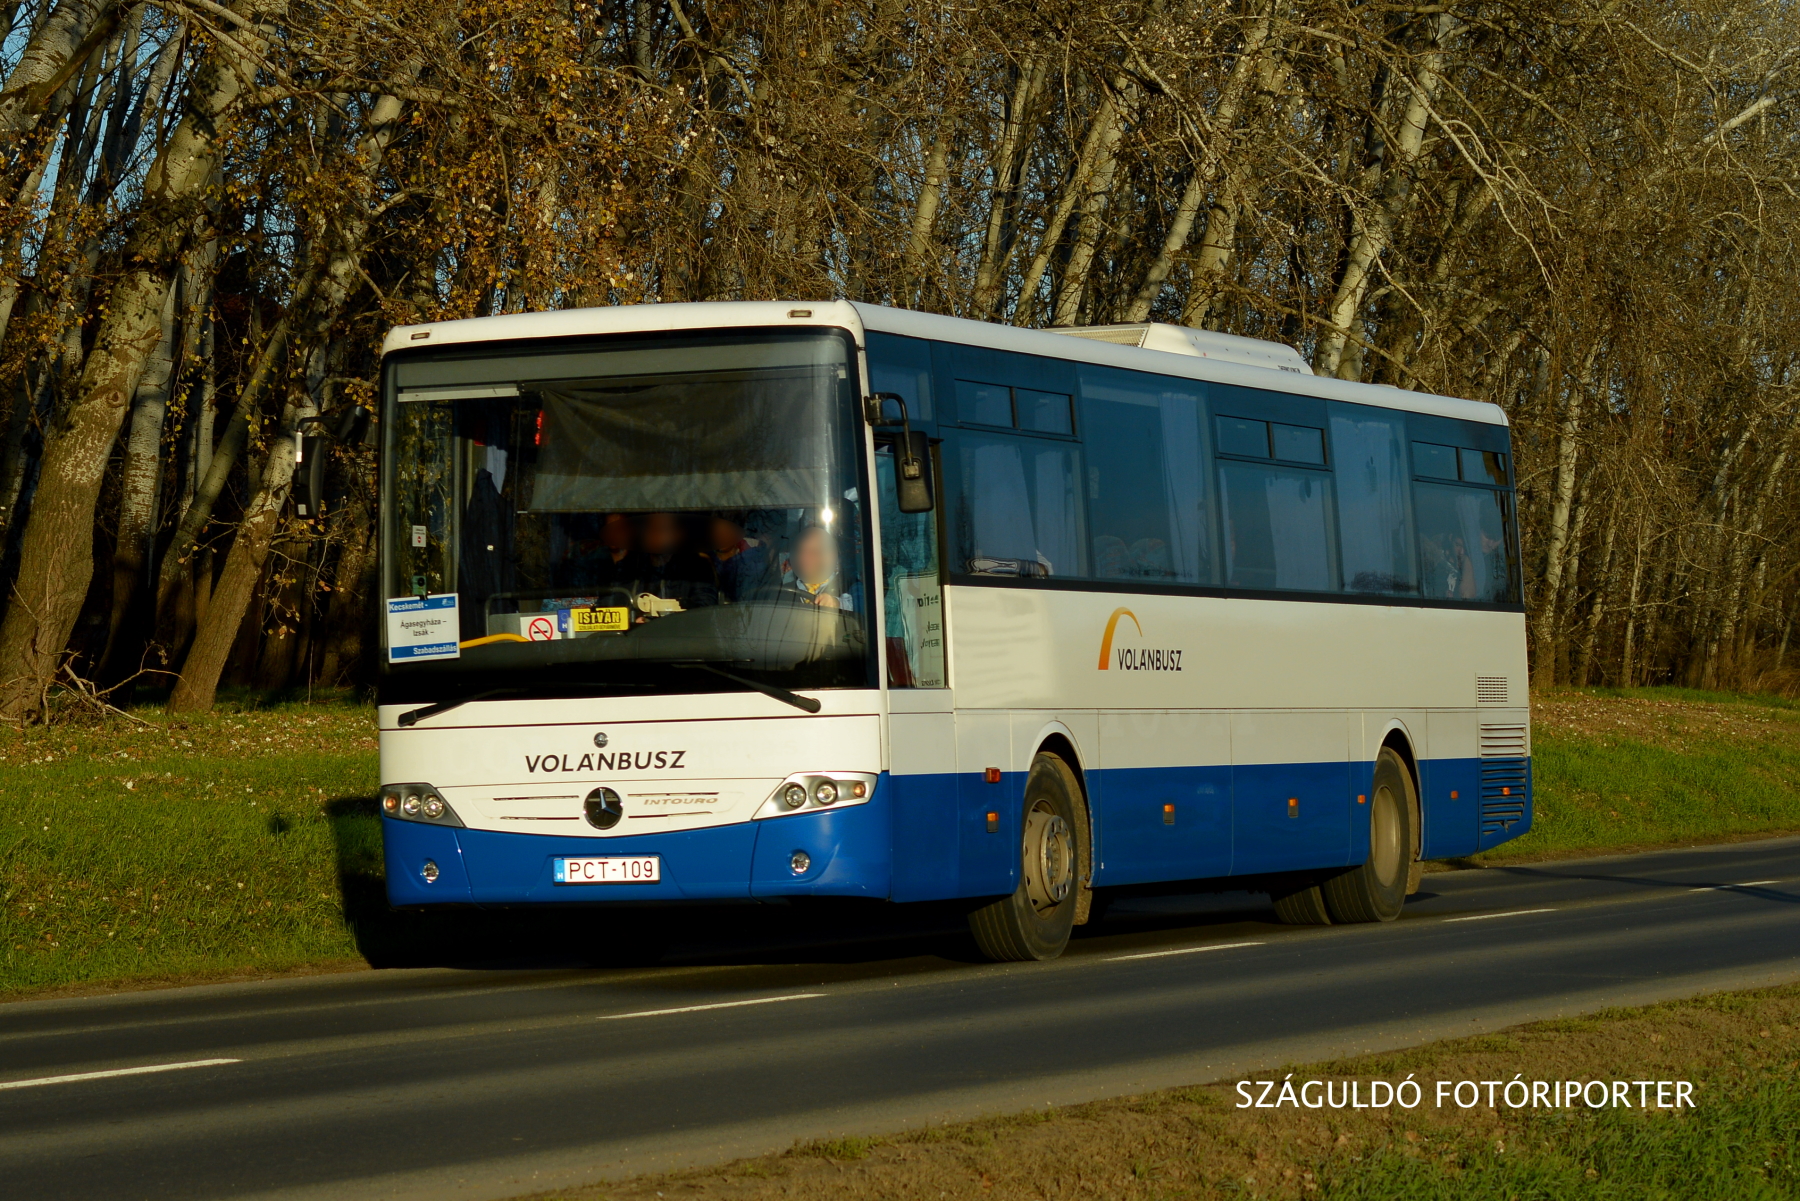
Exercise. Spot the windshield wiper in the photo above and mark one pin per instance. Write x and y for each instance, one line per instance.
(807, 703)
(413, 716)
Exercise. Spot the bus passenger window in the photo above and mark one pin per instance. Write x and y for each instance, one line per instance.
(1483, 467)
(1043, 412)
(1375, 545)
(902, 366)
(984, 404)
(1019, 512)
(1243, 436)
(1298, 443)
(1434, 461)
(1277, 528)
(1463, 545)
(1148, 514)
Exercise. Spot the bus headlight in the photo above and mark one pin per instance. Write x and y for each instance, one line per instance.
(417, 803)
(811, 791)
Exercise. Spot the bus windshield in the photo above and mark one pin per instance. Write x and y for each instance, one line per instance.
(595, 517)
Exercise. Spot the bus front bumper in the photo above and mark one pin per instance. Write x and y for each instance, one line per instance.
(847, 852)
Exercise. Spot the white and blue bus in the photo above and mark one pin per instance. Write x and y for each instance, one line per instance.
(761, 601)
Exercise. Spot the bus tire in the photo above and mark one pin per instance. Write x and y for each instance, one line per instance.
(1300, 903)
(1034, 922)
(1375, 890)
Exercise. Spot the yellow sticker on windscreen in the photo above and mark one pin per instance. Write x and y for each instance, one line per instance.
(592, 621)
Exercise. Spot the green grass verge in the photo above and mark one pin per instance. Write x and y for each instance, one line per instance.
(170, 847)
(1742, 1147)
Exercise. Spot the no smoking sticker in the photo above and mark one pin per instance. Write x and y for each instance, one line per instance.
(540, 629)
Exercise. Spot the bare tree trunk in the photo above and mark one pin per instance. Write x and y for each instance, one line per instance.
(222, 458)
(56, 550)
(1094, 196)
(1375, 222)
(355, 567)
(918, 243)
(218, 630)
(52, 57)
(1562, 502)
(999, 244)
(1584, 655)
(342, 273)
(1101, 143)
(1627, 669)
(142, 476)
(1206, 166)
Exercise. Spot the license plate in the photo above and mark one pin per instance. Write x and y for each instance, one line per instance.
(608, 869)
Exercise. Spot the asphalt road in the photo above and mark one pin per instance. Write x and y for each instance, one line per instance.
(496, 1081)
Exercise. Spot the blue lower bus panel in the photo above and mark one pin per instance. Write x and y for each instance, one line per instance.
(928, 837)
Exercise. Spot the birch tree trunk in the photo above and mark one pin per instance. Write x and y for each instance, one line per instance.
(1375, 221)
(1093, 195)
(56, 548)
(52, 56)
(218, 630)
(142, 475)
(918, 242)
(1224, 122)
(999, 243)
(1101, 142)
(1543, 665)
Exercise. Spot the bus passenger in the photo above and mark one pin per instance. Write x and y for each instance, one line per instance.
(671, 570)
(738, 560)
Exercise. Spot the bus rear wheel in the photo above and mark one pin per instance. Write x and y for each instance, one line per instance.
(1375, 891)
(1034, 922)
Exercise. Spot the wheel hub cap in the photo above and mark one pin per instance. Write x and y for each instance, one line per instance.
(1049, 859)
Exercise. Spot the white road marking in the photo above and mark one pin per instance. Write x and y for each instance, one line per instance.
(1481, 917)
(656, 1013)
(1722, 887)
(1218, 946)
(143, 1071)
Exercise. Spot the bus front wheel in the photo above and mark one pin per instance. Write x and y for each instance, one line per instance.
(1034, 922)
(1375, 891)
(1300, 903)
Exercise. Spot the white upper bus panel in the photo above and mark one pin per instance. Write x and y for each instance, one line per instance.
(1202, 343)
(1190, 354)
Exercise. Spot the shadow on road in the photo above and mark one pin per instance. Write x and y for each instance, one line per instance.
(844, 932)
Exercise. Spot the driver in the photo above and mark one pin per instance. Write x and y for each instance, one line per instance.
(813, 573)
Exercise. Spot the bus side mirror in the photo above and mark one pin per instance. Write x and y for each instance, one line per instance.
(912, 453)
(309, 475)
(912, 472)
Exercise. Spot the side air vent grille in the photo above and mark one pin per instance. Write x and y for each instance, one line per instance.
(1503, 742)
(1490, 690)
(1503, 793)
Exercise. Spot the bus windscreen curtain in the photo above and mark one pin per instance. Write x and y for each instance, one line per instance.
(720, 441)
